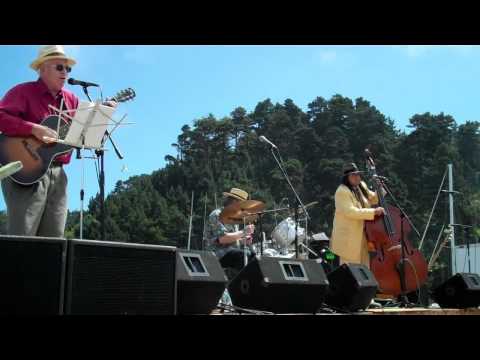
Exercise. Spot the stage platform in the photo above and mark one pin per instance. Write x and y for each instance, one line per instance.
(385, 311)
(423, 311)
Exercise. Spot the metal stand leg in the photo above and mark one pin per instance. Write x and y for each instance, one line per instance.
(82, 191)
(245, 255)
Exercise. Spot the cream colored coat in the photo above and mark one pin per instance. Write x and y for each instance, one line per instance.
(348, 237)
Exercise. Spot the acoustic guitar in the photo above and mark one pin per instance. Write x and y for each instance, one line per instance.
(37, 156)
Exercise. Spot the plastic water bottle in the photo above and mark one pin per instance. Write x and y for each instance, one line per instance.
(225, 299)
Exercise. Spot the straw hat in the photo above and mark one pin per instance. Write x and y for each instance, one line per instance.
(237, 194)
(48, 52)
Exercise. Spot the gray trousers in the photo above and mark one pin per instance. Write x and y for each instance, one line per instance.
(39, 209)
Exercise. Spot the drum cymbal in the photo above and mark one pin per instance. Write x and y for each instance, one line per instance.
(300, 209)
(234, 220)
(241, 211)
(252, 206)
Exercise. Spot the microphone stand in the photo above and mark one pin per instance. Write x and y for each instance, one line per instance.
(297, 198)
(101, 177)
(82, 184)
(100, 153)
(400, 208)
(401, 267)
(404, 302)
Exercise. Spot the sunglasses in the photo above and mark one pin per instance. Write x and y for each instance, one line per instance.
(61, 67)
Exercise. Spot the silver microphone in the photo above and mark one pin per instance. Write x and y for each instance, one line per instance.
(265, 140)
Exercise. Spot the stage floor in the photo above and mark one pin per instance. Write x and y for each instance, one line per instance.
(387, 311)
(423, 311)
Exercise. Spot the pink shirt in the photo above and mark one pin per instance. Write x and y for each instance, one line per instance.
(26, 104)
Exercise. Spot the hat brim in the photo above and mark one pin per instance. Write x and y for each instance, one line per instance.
(227, 194)
(36, 64)
(353, 173)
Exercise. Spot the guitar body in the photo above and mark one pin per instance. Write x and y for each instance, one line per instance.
(35, 155)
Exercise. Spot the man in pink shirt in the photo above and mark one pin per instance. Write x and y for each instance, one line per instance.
(39, 209)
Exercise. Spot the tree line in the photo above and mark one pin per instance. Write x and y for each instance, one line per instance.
(213, 155)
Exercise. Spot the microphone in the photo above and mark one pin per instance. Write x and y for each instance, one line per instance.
(72, 81)
(10, 169)
(380, 177)
(265, 140)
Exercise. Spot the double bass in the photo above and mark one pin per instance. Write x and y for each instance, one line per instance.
(398, 267)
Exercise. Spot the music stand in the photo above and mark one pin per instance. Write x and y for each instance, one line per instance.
(87, 131)
(89, 125)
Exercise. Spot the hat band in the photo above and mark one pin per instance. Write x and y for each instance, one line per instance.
(55, 54)
(351, 171)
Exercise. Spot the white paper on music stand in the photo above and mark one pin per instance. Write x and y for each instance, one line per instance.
(95, 130)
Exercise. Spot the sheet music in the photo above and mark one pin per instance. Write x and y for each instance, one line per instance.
(95, 118)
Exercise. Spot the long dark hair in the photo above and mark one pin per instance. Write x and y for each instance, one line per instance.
(362, 189)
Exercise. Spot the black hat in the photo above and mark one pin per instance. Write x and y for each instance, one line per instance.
(351, 168)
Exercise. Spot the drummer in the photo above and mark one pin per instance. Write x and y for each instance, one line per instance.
(226, 240)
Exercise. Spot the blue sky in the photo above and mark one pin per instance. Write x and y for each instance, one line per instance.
(178, 84)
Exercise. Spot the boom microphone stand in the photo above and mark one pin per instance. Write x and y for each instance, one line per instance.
(297, 198)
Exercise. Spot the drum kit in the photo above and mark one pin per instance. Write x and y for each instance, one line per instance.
(282, 240)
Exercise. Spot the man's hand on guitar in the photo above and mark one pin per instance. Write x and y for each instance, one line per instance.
(44, 133)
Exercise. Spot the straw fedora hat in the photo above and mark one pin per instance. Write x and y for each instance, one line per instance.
(48, 52)
(237, 194)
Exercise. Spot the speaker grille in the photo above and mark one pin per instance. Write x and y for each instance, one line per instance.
(201, 281)
(460, 291)
(121, 280)
(31, 274)
(352, 287)
(280, 286)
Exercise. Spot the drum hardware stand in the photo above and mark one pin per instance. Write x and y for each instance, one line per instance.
(239, 310)
(245, 255)
(260, 214)
(310, 250)
(296, 229)
(260, 233)
(297, 198)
